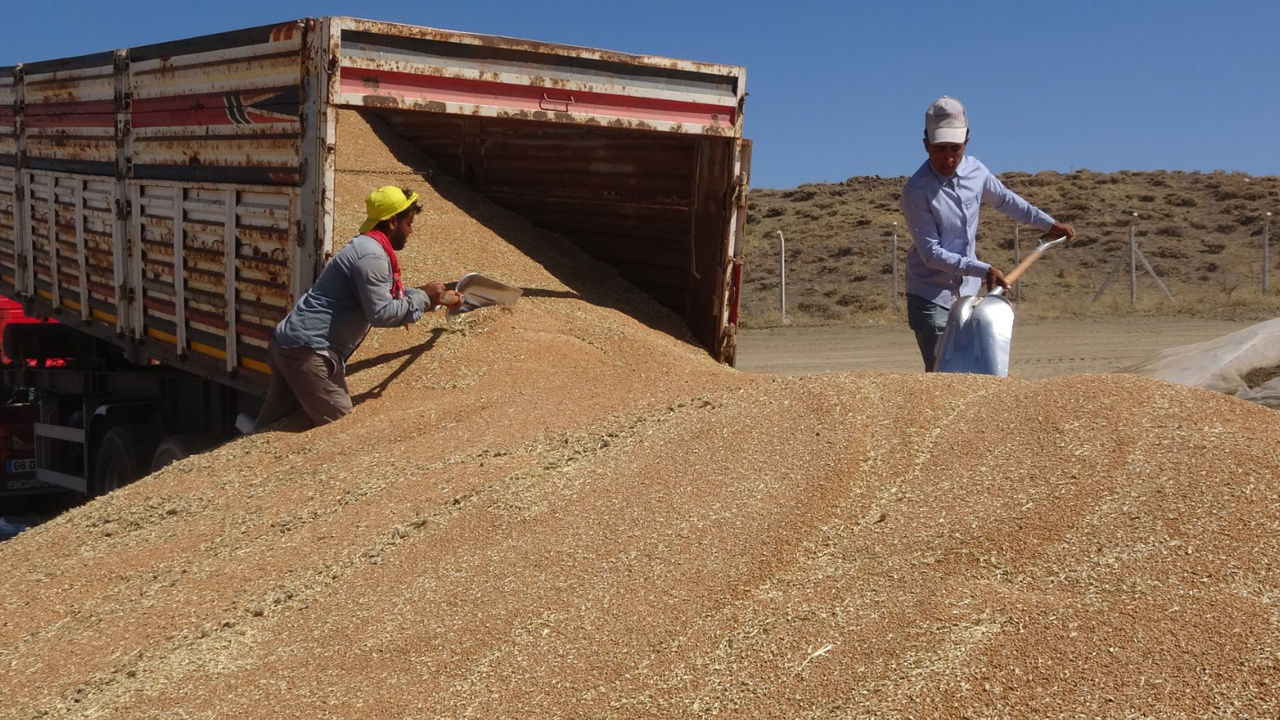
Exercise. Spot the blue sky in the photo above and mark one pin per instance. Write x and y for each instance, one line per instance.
(838, 89)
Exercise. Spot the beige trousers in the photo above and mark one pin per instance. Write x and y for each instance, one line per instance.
(306, 378)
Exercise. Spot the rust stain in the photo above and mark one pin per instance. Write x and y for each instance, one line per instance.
(381, 101)
(266, 266)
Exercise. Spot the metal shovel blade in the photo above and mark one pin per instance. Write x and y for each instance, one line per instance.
(479, 291)
(980, 330)
(977, 337)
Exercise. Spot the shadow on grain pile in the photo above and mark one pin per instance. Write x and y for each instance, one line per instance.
(555, 511)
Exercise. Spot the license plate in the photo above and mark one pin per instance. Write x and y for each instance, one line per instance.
(20, 466)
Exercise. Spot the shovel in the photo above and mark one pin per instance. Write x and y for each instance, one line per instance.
(980, 329)
(478, 291)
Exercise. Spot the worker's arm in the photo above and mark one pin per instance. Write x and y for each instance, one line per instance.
(371, 276)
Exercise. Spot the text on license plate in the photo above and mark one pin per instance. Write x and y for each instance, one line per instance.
(18, 466)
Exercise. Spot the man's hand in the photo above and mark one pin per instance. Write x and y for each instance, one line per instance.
(995, 277)
(1061, 229)
(451, 299)
(439, 296)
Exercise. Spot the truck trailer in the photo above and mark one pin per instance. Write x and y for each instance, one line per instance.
(162, 207)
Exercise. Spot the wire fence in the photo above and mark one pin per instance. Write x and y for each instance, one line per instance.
(880, 288)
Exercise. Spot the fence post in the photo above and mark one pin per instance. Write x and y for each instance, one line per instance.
(1266, 259)
(1133, 263)
(896, 306)
(1135, 256)
(782, 274)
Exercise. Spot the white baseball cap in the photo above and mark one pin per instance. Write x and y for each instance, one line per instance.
(946, 122)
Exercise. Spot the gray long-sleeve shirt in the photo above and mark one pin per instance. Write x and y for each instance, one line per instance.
(352, 294)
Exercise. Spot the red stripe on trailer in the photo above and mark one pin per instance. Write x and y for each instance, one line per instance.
(97, 113)
(211, 109)
(283, 32)
(433, 88)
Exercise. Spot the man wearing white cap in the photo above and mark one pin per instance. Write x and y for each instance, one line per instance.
(940, 204)
(358, 289)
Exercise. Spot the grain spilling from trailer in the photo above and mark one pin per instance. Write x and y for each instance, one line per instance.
(172, 202)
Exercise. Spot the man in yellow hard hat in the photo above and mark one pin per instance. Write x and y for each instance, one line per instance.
(358, 289)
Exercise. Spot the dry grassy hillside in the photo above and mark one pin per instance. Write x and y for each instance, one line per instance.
(1201, 232)
(565, 509)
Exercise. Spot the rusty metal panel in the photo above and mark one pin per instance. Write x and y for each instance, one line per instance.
(84, 220)
(8, 231)
(730, 293)
(95, 210)
(214, 266)
(69, 257)
(389, 66)
(68, 115)
(224, 108)
(39, 257)
(8, 128)
(319, 142)
(155, 192)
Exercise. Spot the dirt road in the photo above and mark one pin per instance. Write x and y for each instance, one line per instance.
(1041, 348)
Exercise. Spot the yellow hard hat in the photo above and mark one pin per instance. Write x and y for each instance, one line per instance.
(383, 203)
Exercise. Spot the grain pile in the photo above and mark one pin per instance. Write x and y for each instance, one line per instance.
(564, 509)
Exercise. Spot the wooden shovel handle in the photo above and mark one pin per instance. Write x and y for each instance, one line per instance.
(1012, 277)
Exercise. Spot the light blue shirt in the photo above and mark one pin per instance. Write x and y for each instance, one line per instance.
(942, 215)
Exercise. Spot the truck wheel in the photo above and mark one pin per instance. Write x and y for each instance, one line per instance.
(122, 458)
(177, 447)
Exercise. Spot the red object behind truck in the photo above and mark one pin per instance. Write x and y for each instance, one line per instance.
(17, 419)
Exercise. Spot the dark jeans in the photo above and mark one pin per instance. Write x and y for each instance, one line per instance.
(928, 320)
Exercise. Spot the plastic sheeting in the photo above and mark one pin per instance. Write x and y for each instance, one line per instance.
(10, 529)
(1221, 364)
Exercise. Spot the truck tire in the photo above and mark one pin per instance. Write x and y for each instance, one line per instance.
(177, 447)
(122, 458)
